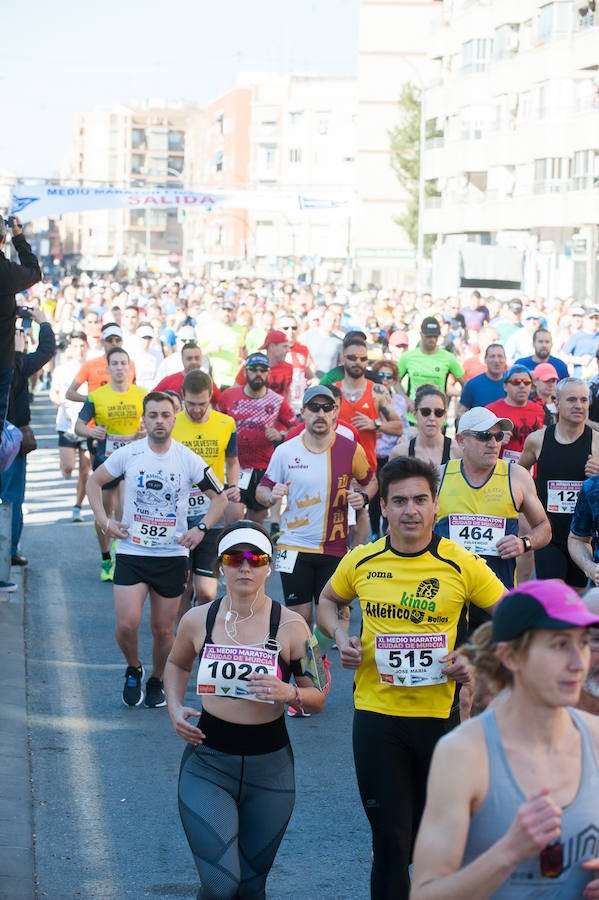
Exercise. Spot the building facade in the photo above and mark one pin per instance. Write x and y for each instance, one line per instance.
(150, 146)
(511, 156)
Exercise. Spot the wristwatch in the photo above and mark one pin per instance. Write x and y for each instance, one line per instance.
(202, 527)
(377, 423)
(364, 497)
(527, 542)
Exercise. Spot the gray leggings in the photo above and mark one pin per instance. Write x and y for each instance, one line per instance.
(235, 811)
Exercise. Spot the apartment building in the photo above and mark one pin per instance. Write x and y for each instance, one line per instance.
(511, 156)
(280, 136)
(153, 145)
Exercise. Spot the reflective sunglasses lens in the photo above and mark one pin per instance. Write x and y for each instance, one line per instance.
(235, 558)
(519, 381)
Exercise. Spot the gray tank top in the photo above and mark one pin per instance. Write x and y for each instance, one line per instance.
(580, 822)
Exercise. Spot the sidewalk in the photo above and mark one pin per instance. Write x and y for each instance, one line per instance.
(16, 838)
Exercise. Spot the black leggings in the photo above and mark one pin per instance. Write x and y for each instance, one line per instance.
(235, 810)
(374, 507)
(392, 756)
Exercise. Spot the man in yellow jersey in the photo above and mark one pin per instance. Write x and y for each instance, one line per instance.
(414, 588)
(117, 409)
(213, 436)
(481, 496)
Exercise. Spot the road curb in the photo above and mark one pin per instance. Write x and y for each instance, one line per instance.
(16, 824)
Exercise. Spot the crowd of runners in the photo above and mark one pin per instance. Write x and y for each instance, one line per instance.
(435, 460)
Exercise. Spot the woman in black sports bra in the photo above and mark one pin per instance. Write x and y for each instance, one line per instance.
(429, 443)
(236, 782)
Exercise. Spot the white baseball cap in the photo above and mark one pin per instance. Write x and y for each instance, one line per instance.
(479, 418)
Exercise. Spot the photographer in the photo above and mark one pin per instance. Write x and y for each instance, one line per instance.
(13, 278)
(19, 413)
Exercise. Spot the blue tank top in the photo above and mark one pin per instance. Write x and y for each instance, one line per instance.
(579, 826)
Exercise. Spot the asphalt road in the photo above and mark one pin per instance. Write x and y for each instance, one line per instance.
(104, 777)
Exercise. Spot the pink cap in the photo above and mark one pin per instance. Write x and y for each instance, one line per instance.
(540, 604)
(545, 372)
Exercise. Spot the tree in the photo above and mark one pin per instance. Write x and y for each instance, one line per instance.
(405, 161)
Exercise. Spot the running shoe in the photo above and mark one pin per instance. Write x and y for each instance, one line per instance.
(132, 692)
(155, 695)
(107, 569)
(76, 514)
(297, 713)
(7, 587)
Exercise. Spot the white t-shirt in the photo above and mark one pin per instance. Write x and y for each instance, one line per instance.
(69, 410)
(157, 487)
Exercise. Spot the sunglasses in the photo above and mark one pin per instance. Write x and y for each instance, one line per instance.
(483, 436)
(551, 860)
(289, 327)
(329, 406)
(353, 358)
(426, 411)
(261, 369)
(236, 558)
(519, 381)
(386, 375)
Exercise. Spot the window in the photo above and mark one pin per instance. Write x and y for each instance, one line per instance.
(138, 137)
(295, 118)
(585, 171)
(476, 55)
(267, 156)
(176, 140)
(552, 174)
(295, 155)
(505, 43)
(218, 161)
(556, 21)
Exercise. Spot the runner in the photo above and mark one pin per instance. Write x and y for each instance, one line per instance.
(481, 496)
(116, 408)
(512, 806)
(314, 471)
(414, 588)
(72, 449)
(213, 436)
(262, 418)
(362, 406)
(565, 454)
(153, 541)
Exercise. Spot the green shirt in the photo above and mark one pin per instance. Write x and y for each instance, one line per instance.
(428, 368)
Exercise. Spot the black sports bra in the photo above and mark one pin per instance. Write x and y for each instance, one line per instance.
(446, 449)
(287, 669)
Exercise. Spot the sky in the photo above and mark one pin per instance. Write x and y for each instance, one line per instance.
(66, 57)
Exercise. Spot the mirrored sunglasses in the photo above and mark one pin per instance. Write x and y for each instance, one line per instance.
(483, 436)
(236, 558)
(519, 381)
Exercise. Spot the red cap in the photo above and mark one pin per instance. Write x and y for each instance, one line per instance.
(545, 372)
(275, 337)
(399, 339)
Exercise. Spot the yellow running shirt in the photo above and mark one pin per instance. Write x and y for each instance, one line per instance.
(414, 610)
(119, 412)
(213, 440)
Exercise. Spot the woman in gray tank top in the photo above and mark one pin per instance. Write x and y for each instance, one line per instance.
(512, 808)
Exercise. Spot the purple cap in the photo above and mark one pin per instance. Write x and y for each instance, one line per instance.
(540, 604)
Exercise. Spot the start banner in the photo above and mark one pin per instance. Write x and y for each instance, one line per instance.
(33, 201)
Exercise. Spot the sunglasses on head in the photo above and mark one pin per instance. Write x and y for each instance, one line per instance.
(551, 860)
(519, 381)
(484, 436)
(236, 558)
(327, 406)
(353, 358)
(257, 369)
(426, 411)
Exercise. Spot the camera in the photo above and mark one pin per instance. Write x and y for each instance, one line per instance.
(23, 312)
(10, 221)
